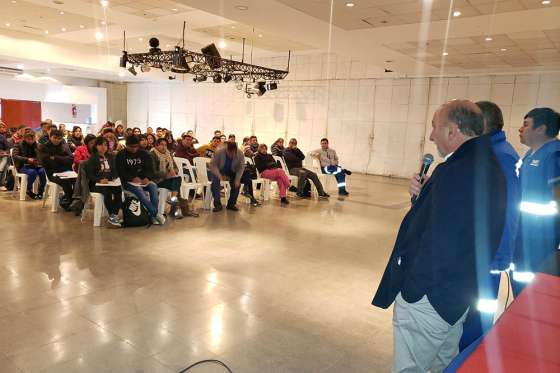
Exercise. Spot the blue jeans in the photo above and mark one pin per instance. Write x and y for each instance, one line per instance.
(151, 204)
(32, 173)
(338, 173)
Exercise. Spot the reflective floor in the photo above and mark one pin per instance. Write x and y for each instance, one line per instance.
(271, 289)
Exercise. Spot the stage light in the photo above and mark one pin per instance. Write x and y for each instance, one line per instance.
(217, 78)
(271, 86)
(180, 64)
(124, 59)
(145, 68)
(132, 70)
(154, 45)
(260, 88)
(227, 78)
(200, 78)
(212, 56)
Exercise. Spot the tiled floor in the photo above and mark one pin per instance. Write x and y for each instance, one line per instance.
(265, 290)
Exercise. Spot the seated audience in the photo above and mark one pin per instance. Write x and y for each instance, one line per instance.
(171, 143)
(43, 134)
(149, 131)
(101, 169)
(185, 149)
(218, 133)
(270, 169)
(4, 153)
(136, 171)
(128, 132)
(83, 152)
(56, 157)
(159, 132)
(112, 141)
(27, 162)
(151, 140)
(17, 136)
(166, 176)
(228, 164)
(143, 142)
(136, 131)
(294, 157)
(329, 165)
(66, 134)
(119, 132)
(208, 150)
(277, 148)
(223, 139)
(76, 140)
(191, 134)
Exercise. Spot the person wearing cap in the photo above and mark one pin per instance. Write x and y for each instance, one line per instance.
(136, 171)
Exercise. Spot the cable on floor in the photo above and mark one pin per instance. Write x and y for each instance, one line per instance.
(217, 362)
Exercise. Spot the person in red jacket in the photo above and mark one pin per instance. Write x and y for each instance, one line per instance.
(83, 152)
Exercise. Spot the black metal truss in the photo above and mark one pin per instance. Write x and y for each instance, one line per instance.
(200, 64)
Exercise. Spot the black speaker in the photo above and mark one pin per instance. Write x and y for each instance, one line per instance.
(212, 56)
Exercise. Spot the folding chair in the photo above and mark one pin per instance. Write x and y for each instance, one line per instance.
(201, 164)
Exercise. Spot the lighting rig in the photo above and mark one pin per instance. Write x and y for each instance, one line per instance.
(252, 79)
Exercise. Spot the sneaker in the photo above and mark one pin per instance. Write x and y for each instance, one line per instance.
(255, 203)
(3, 189)
(193, 214)
(304, 195)
(155, 221)
(284, 201)
(31, 195)
(114, 220)
(292, 189)
(160, 219)
(323, 196)
(232, 208)
(39, 196)
(343, 193)
(217, 208)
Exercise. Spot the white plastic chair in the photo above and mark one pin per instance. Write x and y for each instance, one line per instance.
(188, 182)
(201, 164)
(162, 200)
(52, 191)
(314, 165)
(20, 179)
(293, 178)
(259, 181)
(99, 209)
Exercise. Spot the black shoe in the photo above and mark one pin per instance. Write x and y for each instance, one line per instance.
(284, 201)
(232, 208)
(39, 196)
(324, 195)
(343, 193)
(292, 189)
(304, 195)
(31, 195)
(76, 206)
(254, 202)
(217, 208)
(347, 172)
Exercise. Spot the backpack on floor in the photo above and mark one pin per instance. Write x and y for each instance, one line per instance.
(134, 213)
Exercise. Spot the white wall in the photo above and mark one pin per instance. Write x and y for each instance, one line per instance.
(57, 93)
(378, 126)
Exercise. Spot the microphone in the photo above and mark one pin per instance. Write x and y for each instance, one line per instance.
(426, 162)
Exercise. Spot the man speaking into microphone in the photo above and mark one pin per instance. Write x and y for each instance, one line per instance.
(445, 243)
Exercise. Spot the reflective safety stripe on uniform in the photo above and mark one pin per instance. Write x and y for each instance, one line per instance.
(523, 277)
(487, 305)
(539, 209)
(338, 170)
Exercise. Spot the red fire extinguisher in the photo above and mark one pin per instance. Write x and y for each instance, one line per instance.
(74, 111)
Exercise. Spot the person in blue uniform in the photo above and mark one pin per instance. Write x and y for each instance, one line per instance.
(539, 227)
(480, 319)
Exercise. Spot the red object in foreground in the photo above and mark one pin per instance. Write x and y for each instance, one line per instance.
(18, 112)
(526, 338)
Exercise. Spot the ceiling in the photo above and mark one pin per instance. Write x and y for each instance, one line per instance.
(83, 36)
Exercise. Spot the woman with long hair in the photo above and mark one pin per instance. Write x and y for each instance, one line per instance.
(77, 138)
(277, 147)
(119, 132)
(83, 152)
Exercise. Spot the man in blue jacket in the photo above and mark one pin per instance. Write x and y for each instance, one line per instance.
(445, 243)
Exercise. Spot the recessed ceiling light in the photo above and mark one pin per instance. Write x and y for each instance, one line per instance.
(61, 13)
(174, 9)
(222, 44)
(140, 39)
(82, 26)
(260, 35)
(241, 7)
(13, 1)
(47, 32)
(503, 49)
(8, 24)
(445, 54)
(488, 38)
(103, 23)
(20, 66)
(457, 13)
(350, 5)
(63, 29)
(546, 2)
(104, 3)
(99, 36)
(233, 27)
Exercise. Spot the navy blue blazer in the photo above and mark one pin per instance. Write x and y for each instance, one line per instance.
(448, 238)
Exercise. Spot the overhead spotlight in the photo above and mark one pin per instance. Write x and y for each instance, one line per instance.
(99, 36)
(212, 56)
(488, 38)
(154, 45)
(350, 4)
(388, 70)
(445, 54)
(180, 64)
(271, 86)
(200, 78)
(217, 78)
(546, 2)
(171, 77)
(261, 88)
(145, 68)
(227, 78)
(124, 59)
(132, 70)
(104, 3)
(165, 67)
